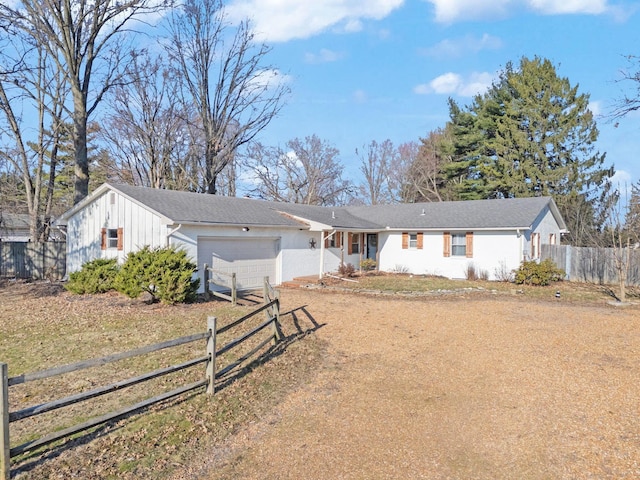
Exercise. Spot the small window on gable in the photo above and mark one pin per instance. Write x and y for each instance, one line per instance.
(458, 245)
(112, 238)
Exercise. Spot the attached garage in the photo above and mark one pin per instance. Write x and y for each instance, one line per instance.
(251, 259)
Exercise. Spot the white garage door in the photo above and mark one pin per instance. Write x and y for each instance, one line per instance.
(250, 259)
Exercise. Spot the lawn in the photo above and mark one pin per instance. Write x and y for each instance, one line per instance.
(391, 377)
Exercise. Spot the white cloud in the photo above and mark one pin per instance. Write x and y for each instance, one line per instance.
(454, 84)
(554, 7)
(283, 20)
(457, 47)
(270, 79)
(596, 108)
(323, 56)
(449, 11)
(621, 179)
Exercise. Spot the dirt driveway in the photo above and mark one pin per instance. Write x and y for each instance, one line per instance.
(451, 388)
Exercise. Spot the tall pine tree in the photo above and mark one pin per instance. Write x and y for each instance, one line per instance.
(532, 134)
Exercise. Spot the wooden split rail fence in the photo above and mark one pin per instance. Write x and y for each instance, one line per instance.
(208, 281)
(271, 307)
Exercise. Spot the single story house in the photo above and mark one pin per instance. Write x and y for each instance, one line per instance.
(257, 238)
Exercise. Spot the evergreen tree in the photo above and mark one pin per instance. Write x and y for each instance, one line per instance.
(632, 217)
(532, 134)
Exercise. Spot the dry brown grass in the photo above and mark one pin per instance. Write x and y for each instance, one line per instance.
(469, 383)
(44, 326)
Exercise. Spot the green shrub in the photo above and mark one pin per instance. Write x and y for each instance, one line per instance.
(534, 273)
(96, 276)
(368, 264)
(165, 273)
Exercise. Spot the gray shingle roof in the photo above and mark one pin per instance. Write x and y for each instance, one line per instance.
(187, 207)
(472, 214)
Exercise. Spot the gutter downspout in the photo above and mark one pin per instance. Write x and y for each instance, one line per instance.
(323, 238)
(172, 232)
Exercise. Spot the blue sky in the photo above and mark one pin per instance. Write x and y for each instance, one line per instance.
(363, 70)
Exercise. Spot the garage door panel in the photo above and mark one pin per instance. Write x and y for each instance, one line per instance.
(250, 259)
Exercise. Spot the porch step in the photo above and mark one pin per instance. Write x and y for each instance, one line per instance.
(299, 282)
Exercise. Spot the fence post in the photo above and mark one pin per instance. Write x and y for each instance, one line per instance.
(265, 289)
(211, 352)
(234, 291)
(5, 454)
(276, 319)
(205, 278)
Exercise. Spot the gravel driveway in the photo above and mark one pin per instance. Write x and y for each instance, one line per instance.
(453, 388)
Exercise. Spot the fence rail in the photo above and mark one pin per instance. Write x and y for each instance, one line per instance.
(208, 281)
(592, 264)
(33, 260)
(271, 306)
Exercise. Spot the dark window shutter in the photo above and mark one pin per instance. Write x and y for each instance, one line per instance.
(469, 238)
(120, 238)
(103, 239)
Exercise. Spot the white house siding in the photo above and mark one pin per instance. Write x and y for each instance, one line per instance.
(491, 250)
(298, 258)
(140, 227)
(294, 258)
(546, 226)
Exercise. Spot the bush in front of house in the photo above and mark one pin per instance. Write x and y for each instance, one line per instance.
(346, 270)
(164, 273)
(367, 264)
(472, 273)
(534, 273)
(96, 276)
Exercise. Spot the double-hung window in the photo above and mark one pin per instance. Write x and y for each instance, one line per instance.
(413, 240)
(458, 245)
(111, 238)
(354, 243)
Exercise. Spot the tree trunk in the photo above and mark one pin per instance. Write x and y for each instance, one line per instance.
(81, 168)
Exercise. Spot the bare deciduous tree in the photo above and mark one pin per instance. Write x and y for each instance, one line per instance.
(80, 36)
(147, 131)
(376, 164)
(29, 77)
(307, 172)
(424, 181)
(221, 68)
(630, 102)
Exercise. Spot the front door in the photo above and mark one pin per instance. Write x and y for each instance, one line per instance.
(372, 246)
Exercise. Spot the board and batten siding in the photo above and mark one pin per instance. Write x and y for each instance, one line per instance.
(111, 211)
(491, 249)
